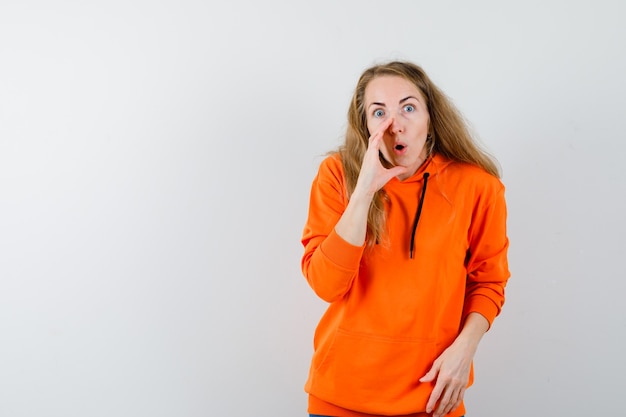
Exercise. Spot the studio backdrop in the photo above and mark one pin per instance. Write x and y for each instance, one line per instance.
(155, 165)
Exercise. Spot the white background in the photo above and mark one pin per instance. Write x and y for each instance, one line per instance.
(155, 164)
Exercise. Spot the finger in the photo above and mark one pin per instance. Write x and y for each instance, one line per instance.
(384, 126)
(431, 374)
(444, 403)
(381, 130)
(394, 172)
(434, 397)
(459, 399)
(455, 400)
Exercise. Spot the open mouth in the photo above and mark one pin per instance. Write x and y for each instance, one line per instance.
(399, 147)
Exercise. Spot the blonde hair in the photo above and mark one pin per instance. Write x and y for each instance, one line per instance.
(449, 135)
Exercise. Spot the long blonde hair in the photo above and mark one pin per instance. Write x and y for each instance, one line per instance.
(449, 135)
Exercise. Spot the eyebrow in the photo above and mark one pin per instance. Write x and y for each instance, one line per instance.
(400, 102)
(406, 98)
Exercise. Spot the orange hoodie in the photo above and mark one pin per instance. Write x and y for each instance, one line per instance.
(391, 315)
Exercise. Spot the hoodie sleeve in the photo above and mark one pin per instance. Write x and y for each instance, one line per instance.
(487, 265)
(330, 264)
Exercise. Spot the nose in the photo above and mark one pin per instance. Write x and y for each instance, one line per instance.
(396, 126)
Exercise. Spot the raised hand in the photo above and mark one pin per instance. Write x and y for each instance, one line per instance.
(374, 175)
(352, 225)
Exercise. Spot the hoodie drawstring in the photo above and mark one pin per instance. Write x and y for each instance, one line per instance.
(418, 214)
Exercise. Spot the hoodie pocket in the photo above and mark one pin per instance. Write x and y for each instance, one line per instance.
(364, 372)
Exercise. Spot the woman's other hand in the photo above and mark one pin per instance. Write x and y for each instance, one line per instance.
(452, 368)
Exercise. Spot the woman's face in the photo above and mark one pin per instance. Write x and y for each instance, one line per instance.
(395, 97)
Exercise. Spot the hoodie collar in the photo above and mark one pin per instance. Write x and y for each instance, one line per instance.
(434, 164)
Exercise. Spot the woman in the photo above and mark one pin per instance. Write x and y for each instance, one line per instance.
(406, 239)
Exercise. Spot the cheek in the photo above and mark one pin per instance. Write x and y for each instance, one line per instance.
(421, 127)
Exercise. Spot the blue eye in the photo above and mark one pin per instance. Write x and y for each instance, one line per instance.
(409, 108)
(379, 113)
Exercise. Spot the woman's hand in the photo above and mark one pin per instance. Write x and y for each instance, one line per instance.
(451, 369)
(352, 226)
(374, 175)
